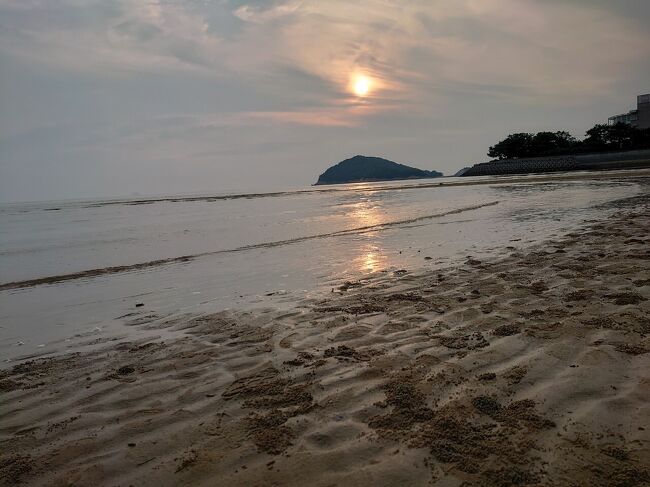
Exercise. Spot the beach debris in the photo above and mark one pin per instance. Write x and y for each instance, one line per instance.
(187, 460)
(61, 425)
(515, 374)
(488, 376)
(632, 349)
(486, 405)
(302, 359)
(8, 385)
(470, 342)
(625, 298)
(275, 400)
(538, 287)
(511, 476)
(14, 467)
(410, 296)
(617, 453)
(506, 330)
(125, 370)
(146, 461)
(269, 433)
(522, 410)
(296, 362)
(365, 308)
(345, 352)
(578, 295)
(486, 308)
(348, 284)
(455, 435)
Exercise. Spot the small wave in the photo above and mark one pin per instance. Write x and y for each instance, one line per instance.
(409, 185)
(276, 194)
(363, 188)
(186, 258)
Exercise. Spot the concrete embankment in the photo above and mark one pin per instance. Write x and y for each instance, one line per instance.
(583, 162)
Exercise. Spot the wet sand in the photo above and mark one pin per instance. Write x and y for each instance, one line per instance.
(531, 368)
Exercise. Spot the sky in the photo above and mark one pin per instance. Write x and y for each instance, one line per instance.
(102, 98)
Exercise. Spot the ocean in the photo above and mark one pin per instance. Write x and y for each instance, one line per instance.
(76, 273)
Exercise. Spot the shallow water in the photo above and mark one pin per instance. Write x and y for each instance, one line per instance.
(224, 251)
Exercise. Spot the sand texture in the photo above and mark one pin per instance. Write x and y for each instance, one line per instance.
(531, 368)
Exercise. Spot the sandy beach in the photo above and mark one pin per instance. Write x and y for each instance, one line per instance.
(529, 368)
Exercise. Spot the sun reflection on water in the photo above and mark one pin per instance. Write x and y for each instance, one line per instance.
(366, 214)
(371, 258)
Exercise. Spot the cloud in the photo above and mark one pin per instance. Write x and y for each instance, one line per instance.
(337, 117)
(542, 48)
(130, 83)
(105, 37)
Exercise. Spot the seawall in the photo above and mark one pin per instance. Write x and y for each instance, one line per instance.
(580, 162)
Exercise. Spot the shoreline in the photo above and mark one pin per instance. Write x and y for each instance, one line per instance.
(529, 369)
(503, 179)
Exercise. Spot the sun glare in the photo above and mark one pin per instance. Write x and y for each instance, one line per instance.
(361, 86)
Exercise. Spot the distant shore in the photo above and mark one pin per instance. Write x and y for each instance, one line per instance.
(527, 369)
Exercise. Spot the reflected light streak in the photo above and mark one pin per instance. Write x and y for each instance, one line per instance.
(371, 258)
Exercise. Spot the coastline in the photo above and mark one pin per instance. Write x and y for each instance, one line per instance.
(529, 369)
(480, 181)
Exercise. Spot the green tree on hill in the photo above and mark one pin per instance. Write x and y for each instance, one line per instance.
(532, 145)
(620, 136)
(552, 142)
(600, 138)
(513, 146)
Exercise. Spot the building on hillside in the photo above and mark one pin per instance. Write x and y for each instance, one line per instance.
(639, 118)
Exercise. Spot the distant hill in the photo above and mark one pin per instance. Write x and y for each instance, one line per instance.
(362, 168)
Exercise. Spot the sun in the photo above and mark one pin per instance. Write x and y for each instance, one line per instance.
(361, 86)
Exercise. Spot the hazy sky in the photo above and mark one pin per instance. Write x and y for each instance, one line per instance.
(113, 97)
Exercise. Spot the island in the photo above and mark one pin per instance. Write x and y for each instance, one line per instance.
(364, 169)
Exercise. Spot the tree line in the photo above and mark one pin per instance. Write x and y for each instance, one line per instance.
(600, 138)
